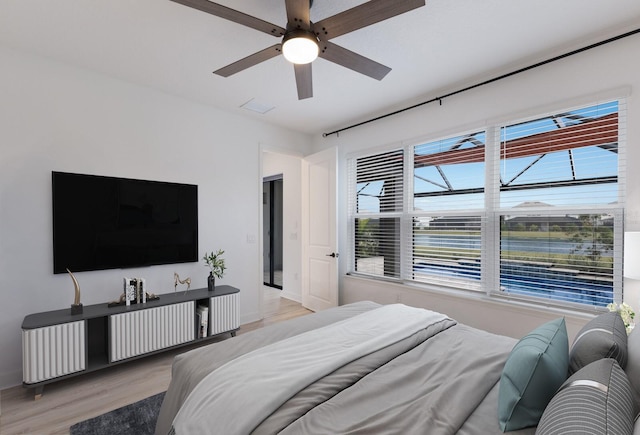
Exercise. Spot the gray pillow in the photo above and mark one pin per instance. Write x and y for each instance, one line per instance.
(535, 368)
(596, 400)
(603, 337)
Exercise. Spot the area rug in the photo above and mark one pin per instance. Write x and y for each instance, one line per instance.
(138, 418)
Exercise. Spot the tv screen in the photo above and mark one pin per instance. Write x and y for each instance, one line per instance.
(112, 223)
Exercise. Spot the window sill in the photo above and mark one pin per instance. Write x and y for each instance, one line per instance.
(500, 315)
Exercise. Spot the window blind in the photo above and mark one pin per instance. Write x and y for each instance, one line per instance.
(449, 173)
(376, 206)
(560, 212)
(564, 159)
(446, 250)
(448, 184)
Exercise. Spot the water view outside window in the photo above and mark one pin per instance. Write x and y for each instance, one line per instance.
(561, 257)
(447, 250)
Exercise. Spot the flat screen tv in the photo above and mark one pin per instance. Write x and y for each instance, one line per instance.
(112, 223)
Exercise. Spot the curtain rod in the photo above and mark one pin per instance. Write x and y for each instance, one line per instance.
(486, 82)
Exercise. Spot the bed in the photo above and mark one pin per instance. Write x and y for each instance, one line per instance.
(357, 369)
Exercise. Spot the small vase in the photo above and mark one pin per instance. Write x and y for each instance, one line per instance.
(211, 282)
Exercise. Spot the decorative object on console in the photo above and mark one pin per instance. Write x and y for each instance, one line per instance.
(119, 301)
(176, 280)
(129, 292)
(135, 292)
(202, 320)
(216, 263)
(76, 307)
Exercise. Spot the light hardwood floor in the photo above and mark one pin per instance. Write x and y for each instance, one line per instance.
(76, 399)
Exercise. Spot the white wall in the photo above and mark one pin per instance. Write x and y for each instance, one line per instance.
(290, 166)
(478, 310)
(604, 72)
(57, 117)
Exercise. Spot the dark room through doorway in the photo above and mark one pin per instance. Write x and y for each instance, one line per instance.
(272, 209)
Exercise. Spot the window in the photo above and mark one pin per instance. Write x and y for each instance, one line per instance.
(530, 210)
(559, 205)
(448, 210)
(376, 211)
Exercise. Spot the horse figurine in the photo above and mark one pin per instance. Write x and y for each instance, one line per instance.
(176, 280)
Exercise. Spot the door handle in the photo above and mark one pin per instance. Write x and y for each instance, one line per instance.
(333, 254)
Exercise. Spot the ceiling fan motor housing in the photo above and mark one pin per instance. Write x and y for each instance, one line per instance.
(300, 46)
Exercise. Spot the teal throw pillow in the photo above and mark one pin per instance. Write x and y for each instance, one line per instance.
(535, 369)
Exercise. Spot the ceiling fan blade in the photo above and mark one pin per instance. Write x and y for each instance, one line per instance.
(348, 59)
(250, 61)
(304, 81)
(298, 13)
(363, 15)
(233, 15)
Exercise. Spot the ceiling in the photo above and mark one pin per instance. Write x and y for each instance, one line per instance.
(432, 50)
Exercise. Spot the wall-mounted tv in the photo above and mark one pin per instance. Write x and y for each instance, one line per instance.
(111, 223)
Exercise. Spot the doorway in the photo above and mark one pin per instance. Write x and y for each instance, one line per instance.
(272, 209)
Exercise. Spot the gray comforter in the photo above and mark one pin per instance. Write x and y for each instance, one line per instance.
(441, 380)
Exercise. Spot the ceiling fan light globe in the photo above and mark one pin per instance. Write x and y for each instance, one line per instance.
(300, 49)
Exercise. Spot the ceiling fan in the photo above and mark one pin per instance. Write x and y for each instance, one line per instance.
(303, 40)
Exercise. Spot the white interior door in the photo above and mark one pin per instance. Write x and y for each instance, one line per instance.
(320, 258)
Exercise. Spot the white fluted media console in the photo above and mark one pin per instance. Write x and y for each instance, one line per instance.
(57, 345)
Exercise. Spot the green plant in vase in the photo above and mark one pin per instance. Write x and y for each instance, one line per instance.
(217, 266)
